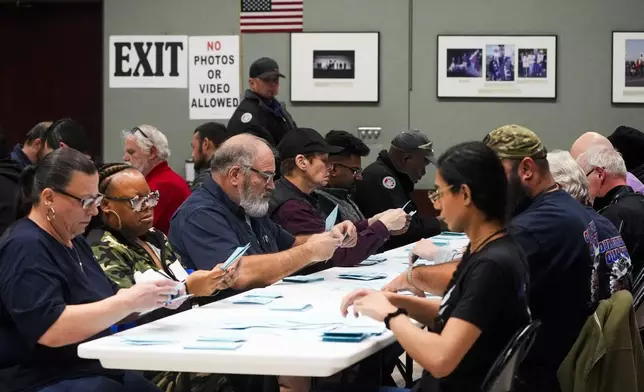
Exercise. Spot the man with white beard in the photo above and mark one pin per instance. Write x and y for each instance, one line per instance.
(230, 210)
(146, 149)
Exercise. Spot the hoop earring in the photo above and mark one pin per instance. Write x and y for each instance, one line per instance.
(117, 217)
(51, 214)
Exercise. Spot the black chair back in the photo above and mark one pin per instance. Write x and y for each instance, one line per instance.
(503, 373)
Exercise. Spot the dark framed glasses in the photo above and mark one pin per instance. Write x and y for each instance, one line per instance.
(137, 129)
(138, 203)
(85, 202)
(354, 170)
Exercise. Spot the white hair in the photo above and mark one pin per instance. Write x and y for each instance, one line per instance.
(569, 175)
(147, 137)
(603, 157)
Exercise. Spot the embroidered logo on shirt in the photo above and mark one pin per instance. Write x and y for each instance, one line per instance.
(246, 117)
(389, 182)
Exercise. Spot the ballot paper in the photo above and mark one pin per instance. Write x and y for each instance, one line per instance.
(290, 306)
(236, 255)
(330, 220)
(363, 275)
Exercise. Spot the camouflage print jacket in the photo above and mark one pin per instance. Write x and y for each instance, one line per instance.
(121, 258)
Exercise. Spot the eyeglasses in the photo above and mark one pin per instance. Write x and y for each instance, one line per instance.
(138, 203)
(435, 194)
(86, 202)
(355, 170)
(268, 176)
(137, 129)
(591, 171)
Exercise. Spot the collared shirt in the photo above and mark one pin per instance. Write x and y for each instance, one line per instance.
(19, 156)
(634, 183)
(301, 215)
(173, 190)
(209, 226)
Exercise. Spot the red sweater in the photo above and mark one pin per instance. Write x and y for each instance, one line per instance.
(173, 190)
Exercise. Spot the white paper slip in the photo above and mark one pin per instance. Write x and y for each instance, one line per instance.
(403, 207)
(330, 220)
(178, 271)
(371, 330)
(222, 336)
(146, 340)
(413, 213)
(252, 301)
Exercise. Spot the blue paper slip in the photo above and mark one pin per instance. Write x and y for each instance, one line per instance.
(351, 338)
(237, 253)
(330, 220)
(439, 242)
(357, 329)
(212, 346)
(263, 294)
(373, 260)
(302, 279)
(146, 341)
(290, 306)
(252, 301)
(363, 275)
(452, 233)
(222, 337)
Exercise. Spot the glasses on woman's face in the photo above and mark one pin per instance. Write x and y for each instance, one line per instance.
(85, 202)
(138, 203)
(436, 194)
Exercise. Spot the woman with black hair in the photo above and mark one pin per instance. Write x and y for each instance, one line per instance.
(484, 304)
(53, 293)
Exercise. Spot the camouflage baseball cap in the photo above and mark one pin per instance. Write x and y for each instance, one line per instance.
(515, 142)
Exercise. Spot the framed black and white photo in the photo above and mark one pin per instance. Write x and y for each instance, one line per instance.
(335, 67)
(505, 66)
(628, 67)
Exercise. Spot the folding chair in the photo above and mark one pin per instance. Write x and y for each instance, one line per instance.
(502, 375)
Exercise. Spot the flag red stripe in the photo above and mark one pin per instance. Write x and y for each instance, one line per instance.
(276, 16)
(271, 23)
(273, 30)
(288, 3)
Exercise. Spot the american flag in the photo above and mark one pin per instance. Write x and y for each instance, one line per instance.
(271, 16)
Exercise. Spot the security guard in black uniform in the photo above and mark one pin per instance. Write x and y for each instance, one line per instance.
(389, 182)
(259, 113)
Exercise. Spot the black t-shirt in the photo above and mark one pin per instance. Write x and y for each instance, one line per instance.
(38, 278)
(551, 233)
(488, 291)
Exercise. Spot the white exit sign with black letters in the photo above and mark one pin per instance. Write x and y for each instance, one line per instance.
(148, 61)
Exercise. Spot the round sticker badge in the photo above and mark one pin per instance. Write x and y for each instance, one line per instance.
(246, 117)
(389, 182)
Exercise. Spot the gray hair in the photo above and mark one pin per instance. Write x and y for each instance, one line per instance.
(147, 137)
(569, 175)
(603, 157)
(239, 150)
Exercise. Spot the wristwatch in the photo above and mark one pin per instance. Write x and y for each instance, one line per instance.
(398, 312)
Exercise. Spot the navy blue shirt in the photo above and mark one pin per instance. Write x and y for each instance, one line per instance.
(38, 279)
(551, 233)
(208, 227)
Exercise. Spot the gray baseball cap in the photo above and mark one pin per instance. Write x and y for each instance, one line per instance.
(413, 140)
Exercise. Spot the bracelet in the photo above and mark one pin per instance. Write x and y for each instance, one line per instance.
(390, 316)
(409, 277)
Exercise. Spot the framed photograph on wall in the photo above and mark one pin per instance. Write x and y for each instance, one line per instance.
(628, 67)
(504, 66)
(335, 67)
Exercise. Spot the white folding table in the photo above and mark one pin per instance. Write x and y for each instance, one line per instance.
(266, 351)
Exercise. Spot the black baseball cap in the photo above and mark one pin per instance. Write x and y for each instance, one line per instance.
(304, 141)
(264, 68)
(413, 140)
